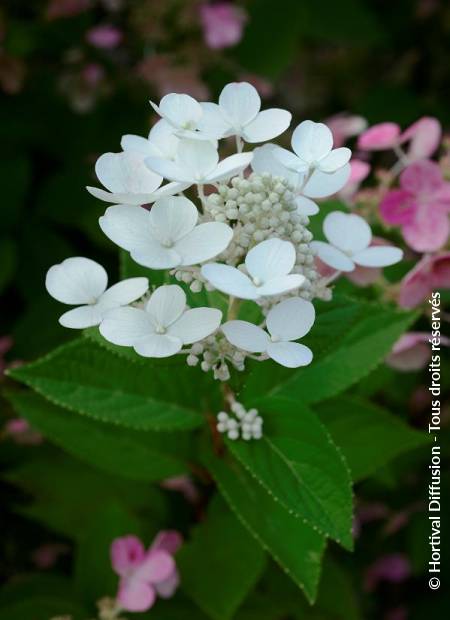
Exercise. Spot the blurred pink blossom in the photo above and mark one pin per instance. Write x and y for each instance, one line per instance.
(379, 137)
(142, 573)
(359, 170)
(104, 36)
(424, 137)
(184, 485)
(21, 432)
(92, 73)
(394, 568)
(6, 342)
(421, 206)
(160, 72)
(411, 352)
(223, 24)
(46, 556)
(344, 126)
(397, 613)
(430, 273)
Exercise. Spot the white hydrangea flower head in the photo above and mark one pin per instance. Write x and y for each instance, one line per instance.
(82, 282)
(197, 162)
(163, 326)
(238, 114)
(349, 237)
(161, 142)
(268, 264)
(129, 181)
(166, 236)
(243, 424)
(289, 320)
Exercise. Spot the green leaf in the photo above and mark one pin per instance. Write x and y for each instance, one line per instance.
(64, 493)
(94, 575)
(131, 454)
(368, 435)
(221, 563)
(90, 380)
(292, 543)
(300, 467)
(349, 339)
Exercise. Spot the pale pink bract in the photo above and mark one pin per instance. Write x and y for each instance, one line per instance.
(223, 24)
(430, 273)
(379, 137)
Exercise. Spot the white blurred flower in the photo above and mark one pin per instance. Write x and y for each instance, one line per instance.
(268, 264)
(349, 238)
(129, 181)
(238, 114)
(167, 236)
(163, 327)
(82, 282)
(289, 320)
(313, 147)
(197, 162)
(161, 141)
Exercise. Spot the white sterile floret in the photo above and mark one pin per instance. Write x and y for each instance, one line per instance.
(289, 320)
(183, 113)
(163, 327)
(349, 238)
(313, 147)
(268, 264)
(161, 141)
(166, 236)
(197, 162)
(245, 424)
(79, 281)
(129, 181)
(238, 114)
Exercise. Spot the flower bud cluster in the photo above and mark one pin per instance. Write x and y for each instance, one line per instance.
(214, 354)
(245, 424)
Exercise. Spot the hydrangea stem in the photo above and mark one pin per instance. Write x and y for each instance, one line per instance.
(233, 308)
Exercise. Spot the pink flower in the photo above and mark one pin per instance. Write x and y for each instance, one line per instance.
(184, 485)
(379, 137)
(359, 170)
(145, 574)
(411, 352)
(430, 273)
(222, 23)
(21, 432)
(393, 568)
(345, 126)
(424, 137)
(104, 36)
(421, 206)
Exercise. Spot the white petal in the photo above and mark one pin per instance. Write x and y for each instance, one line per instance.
(332, 256)
(347, 232)
(76, 280)
(123, 199)
(264, 160)
(270, 259)
(335, 160)
(323, 184)
(312, 141)
(198, 157)
(172, 218)
(162, 140)
(125, 326)
(82, 317)
(212, 122)
(130, 142)
(267, 125)
(158, 345)
(123, 293)
(166, 304)
(246, 336)
(229, 167)
(281, 284)
(380, 256)
(168, 169)
(156, 256)
(180, 110)
(196, 324)
(126, 173)
(128, 227)
(289, 160)
(290, 354)
(240, 103)
(305, 206)
(204, 242)
(229, 280)
(291, 319)
(169, 189)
